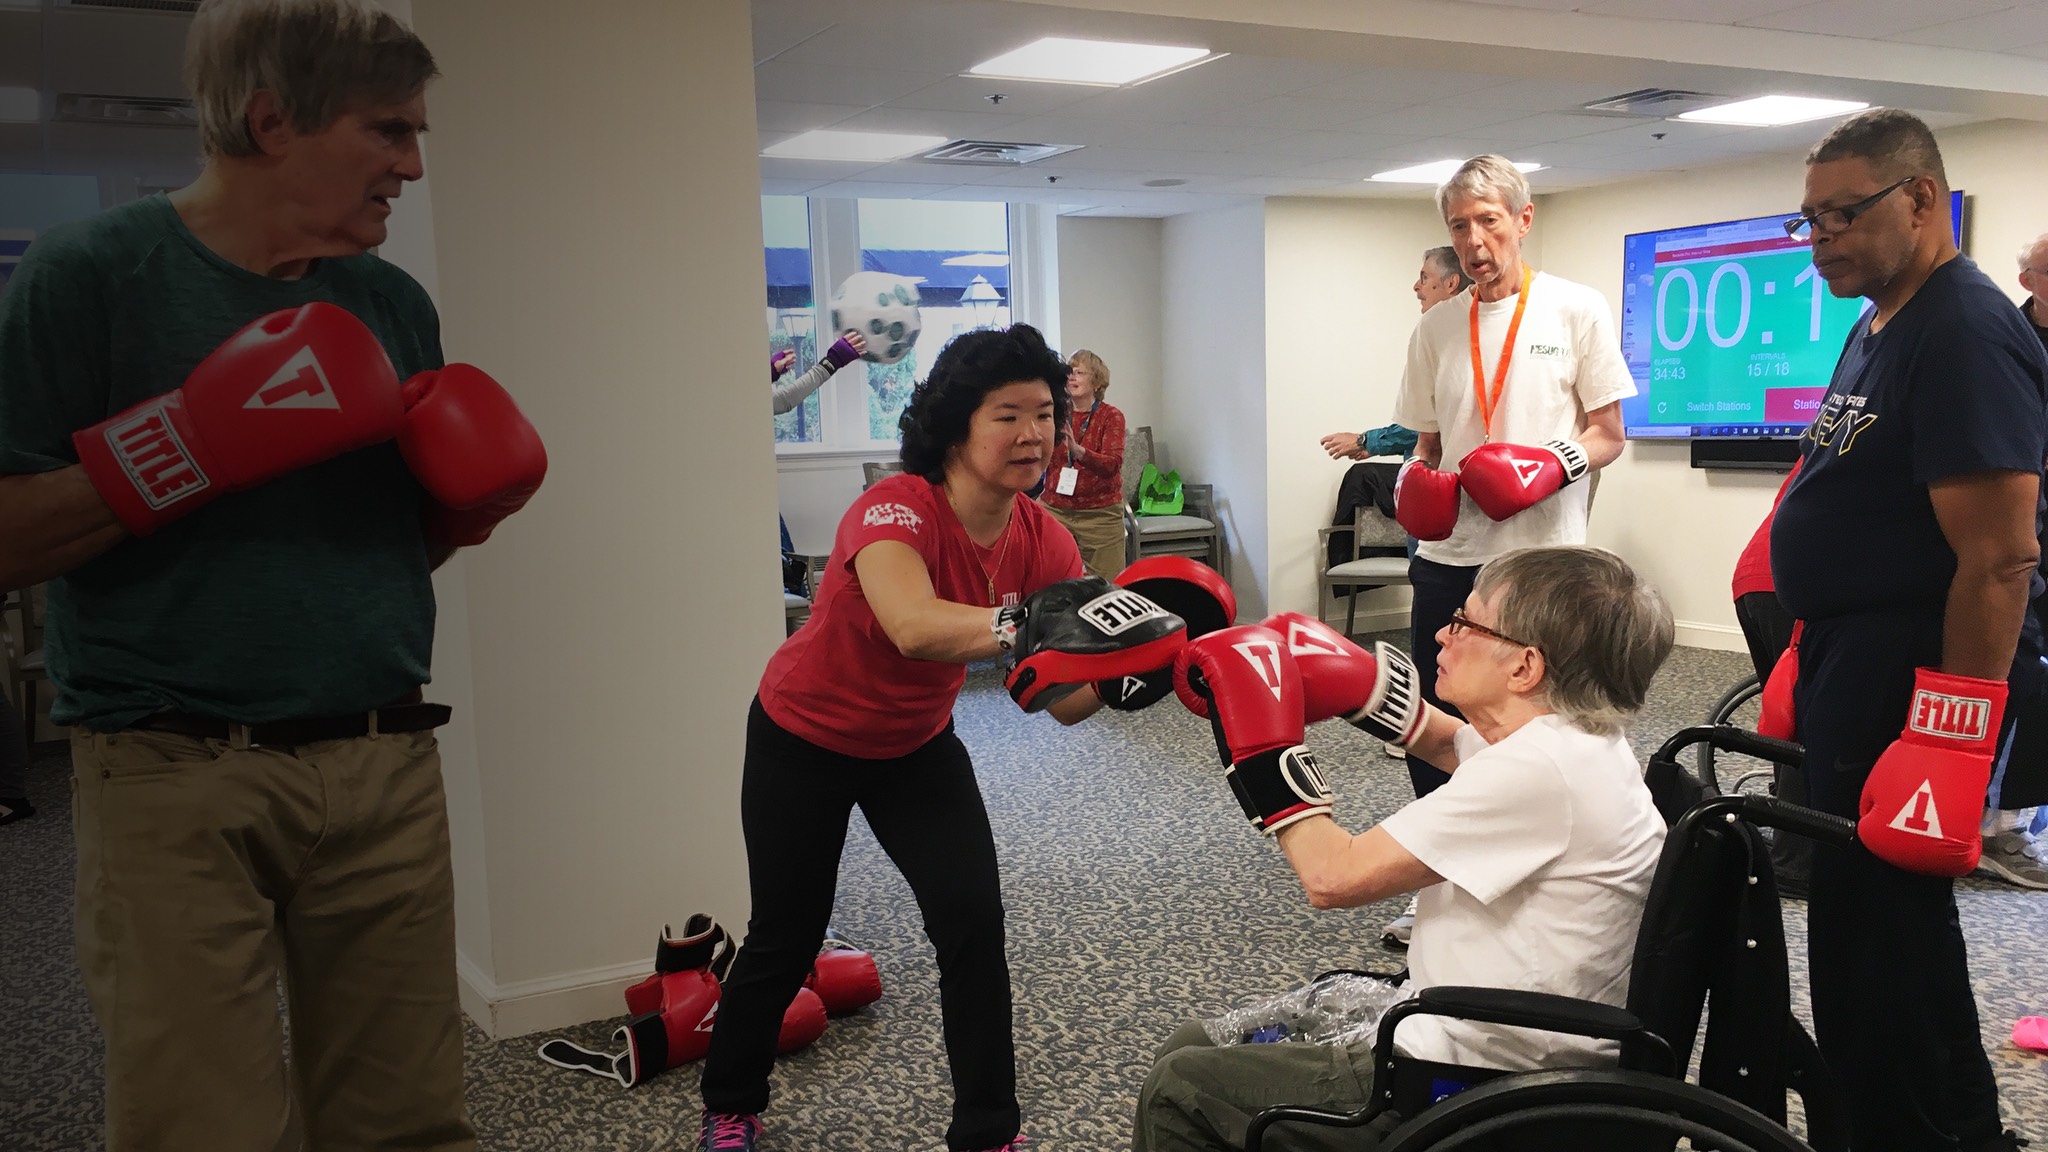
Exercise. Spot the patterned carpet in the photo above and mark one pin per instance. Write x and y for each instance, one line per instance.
(1137, 899)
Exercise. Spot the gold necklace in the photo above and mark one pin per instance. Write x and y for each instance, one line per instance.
(974, 550)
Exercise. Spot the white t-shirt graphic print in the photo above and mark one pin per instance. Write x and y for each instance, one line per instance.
(1567, 362)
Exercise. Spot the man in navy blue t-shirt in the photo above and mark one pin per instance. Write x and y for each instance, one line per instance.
(1907, 543)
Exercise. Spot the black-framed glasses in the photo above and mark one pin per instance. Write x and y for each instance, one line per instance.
(1833, 220)
(1461, 622)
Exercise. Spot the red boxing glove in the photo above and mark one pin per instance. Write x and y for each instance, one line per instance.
(1249, 688)
(844, 978)
(292, 389)
(1924, 797)
(1503, 479)
(1777, 719)
(1426, 501)
(472, 450)
(802, 1022)
(1375, 693)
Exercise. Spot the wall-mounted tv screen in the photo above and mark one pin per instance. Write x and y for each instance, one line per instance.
(1729, 330)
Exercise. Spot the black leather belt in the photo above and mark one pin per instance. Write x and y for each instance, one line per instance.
(408, 716)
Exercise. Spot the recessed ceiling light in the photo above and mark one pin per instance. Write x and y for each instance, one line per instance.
(825, 144)
(1771, 111)
(1436, 172)
(20, 106)
(1108, 63)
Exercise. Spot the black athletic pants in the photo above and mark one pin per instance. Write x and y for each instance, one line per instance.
(926, 812)
(1892, 1006)
(1440, 589)
(1767, 627)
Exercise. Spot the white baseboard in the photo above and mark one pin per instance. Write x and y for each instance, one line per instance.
(1719, 637)
(524, 1007)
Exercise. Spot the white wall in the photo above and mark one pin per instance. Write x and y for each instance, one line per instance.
(1684, 527)
(1213, 427)
(617, 623)
(1109, 303)
(1340, 305)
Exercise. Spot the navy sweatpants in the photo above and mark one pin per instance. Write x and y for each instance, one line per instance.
(1892, 1007)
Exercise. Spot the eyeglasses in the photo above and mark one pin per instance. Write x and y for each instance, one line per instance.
(1460, 622)
(1833, 220)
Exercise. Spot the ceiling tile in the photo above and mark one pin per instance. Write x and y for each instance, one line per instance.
(1545, 127)
(1432, 119)
(1872, 19)
(776, 168)
(1296, 113)
(970, 94)
(780, 25)
(957, 125)
(1327, 145)
(1698, 11)
(1401, 87)
(833, 84)
(1531, 95)
(1991, 32)
(784, 116)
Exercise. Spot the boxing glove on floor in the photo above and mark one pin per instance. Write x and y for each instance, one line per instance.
(844, 977)
(294, 388)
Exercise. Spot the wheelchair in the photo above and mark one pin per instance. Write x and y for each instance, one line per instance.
(1712, 937)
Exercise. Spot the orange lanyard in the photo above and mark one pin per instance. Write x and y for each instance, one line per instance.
(1488, 404)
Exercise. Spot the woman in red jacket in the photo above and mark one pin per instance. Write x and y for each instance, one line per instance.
(1084, 486)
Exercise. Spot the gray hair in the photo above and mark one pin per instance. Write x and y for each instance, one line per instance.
(1487, 177)
(1896, 144)
(1602, 629)
(1445, 261)
(321, 57)
(2034, 250)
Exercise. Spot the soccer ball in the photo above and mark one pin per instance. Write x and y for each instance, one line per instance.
(882, 307)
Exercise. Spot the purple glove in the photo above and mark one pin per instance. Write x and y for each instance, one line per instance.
(840, 354)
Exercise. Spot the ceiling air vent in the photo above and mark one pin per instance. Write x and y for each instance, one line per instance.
(1657, 102)
(1000, 153)
(181, 7)
(135, 111)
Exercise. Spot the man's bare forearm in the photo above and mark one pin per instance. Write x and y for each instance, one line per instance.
(50, 523)
(1981, 628)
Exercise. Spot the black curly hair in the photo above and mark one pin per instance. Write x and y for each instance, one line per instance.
(968, 369)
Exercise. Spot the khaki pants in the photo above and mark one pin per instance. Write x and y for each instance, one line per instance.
(1100, 533)
(1201, 1098)
(204, 871)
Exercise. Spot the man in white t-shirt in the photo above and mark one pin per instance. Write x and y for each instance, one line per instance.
(1532, 862)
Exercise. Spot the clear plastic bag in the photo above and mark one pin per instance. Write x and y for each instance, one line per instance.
(1338, 1009)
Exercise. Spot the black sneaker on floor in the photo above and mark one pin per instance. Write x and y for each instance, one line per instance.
(14, 808)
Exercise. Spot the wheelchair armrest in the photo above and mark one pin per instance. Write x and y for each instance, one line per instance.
(1395, 978)
(1516, 1008)
(1728, 738)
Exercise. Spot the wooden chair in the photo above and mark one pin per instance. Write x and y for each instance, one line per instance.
(1195, 532)
(872, 471)
(21, 651)
(1360, 573)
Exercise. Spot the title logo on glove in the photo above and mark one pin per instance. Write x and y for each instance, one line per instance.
(1952, 717)
(892, 514)
(155, 459)
(300, 383)
(1263, 655)
(1119, 611)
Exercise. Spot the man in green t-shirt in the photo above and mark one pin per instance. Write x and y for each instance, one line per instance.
(207, 451)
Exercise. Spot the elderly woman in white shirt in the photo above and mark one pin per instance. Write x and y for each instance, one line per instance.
(1532, 863)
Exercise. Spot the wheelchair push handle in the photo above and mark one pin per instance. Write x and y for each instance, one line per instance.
(1727, 738)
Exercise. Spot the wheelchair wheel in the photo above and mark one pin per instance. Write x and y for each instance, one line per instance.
(1607, 1109)
(1730, 774)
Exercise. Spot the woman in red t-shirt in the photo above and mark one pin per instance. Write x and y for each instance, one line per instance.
(1085, 483)
(856, 709)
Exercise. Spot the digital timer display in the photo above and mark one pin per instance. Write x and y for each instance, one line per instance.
(1729, 330)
